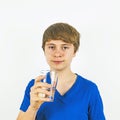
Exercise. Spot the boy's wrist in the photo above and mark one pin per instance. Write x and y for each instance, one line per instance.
(33, 108)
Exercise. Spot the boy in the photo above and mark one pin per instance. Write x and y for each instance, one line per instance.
(76, 98)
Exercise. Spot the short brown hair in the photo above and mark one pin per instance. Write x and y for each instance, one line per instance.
(64, 32)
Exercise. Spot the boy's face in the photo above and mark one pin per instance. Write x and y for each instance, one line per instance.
(59, 54)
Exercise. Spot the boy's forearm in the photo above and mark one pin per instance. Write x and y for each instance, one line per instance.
(30, 114)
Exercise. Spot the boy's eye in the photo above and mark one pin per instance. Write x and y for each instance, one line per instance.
(65, 47)
(51, 47)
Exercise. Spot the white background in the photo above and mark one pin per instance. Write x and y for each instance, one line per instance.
(21, 58)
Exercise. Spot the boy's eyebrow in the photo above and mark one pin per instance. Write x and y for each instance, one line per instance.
(50, 44)
(61, 44)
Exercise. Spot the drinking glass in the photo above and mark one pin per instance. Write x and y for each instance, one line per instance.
(51, 77)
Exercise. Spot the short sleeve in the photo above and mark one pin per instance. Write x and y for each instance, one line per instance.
(96, 105)
(26, 99)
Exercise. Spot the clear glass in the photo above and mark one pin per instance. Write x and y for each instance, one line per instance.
(53, 79)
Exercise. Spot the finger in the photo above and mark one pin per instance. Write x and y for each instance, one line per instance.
(40, 90)
(39, 98)
(43, 91)
(42, 84)
(44, 99)
(38, 87)
(39, 78)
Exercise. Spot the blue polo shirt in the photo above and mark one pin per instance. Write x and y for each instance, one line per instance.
(81, 102)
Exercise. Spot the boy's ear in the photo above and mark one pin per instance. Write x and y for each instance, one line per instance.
(74, 54)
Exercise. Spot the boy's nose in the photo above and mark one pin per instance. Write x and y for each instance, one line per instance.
(58, 52)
